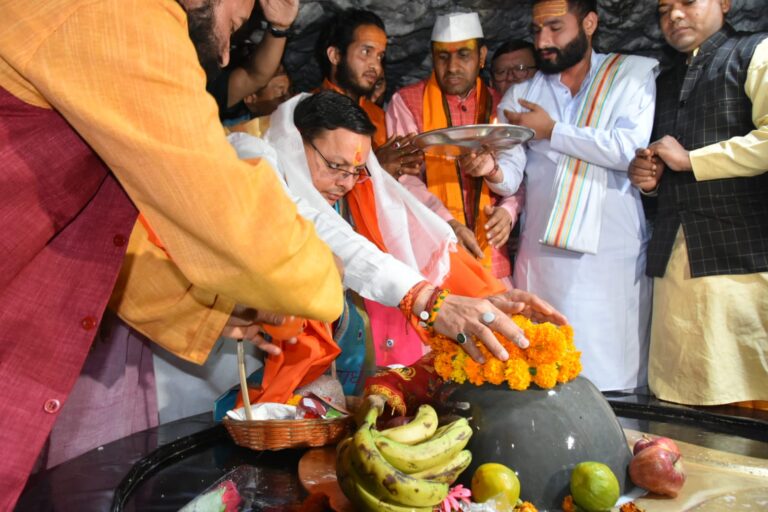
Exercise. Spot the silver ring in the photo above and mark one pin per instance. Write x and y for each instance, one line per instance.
(461, 338)
(397, 145)
(488, 317)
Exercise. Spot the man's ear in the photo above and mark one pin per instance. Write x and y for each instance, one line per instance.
(589, 23)
(483, 55)
(334, 55)
(725, 6)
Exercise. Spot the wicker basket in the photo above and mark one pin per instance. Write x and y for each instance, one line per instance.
(280, 434)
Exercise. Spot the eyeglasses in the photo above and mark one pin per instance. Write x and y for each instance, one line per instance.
(518, 71)
(360, 174)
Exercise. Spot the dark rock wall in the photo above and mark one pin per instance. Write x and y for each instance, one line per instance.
(625, 25)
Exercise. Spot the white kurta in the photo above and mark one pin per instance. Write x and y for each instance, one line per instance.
(606, 296)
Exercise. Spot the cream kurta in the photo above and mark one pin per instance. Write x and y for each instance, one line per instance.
(709, 338)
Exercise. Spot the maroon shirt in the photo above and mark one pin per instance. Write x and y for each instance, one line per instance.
(65, 223)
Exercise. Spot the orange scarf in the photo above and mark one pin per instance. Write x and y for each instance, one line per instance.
(375, 114)
(466, 276)
(296, 366)
(444, 176)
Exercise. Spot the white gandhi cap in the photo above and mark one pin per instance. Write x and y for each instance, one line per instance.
(457, 26)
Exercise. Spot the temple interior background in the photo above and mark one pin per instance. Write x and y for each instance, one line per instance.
(625, 26)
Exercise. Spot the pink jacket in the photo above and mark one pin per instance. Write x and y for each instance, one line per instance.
(65, 223)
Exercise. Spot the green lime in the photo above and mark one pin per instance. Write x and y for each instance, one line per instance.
(594, 487)
(494, 480)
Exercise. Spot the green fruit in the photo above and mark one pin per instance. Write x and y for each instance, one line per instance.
(594, 487)
(493, 480)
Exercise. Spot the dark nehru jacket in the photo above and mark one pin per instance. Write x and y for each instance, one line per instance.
(725, 221)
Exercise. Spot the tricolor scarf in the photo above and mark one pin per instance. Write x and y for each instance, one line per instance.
(444, 178)
(579, 189)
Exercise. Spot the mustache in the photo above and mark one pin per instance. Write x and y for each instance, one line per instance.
(548, 49)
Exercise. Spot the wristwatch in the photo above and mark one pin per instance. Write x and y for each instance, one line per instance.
(276, 32)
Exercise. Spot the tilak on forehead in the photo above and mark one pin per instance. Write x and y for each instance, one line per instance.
(358, 154)
(549, 9)
(454, 47)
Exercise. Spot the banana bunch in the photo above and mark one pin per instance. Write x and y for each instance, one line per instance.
(405, 468)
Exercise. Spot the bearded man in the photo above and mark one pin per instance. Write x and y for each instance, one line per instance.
(103, 110)
(583, 237)
(467, 193)
(351, 52)
(709, 251)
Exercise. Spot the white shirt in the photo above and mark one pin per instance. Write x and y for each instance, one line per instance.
(605, 296)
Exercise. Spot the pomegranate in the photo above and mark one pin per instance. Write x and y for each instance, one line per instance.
(646, 442)
(658, 470)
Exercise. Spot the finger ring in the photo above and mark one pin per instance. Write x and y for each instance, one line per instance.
(487, 317)
(397, 145)
(461, 338)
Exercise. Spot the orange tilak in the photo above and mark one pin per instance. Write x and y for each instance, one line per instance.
(549, 9)
(470, 44)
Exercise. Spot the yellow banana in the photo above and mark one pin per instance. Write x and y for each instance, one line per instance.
(436, 451)
(419, 429)
(383, 480)
(354, 488)
(449, 471)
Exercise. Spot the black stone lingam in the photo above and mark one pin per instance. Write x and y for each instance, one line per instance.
(541, 434)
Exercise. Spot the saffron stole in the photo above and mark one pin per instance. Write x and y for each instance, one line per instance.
(575, 216)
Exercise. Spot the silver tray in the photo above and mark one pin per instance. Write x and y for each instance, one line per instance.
(460, 140)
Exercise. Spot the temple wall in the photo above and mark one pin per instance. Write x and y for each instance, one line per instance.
(625, 25)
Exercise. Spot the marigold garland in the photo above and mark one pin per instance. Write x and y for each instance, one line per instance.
(550, 359)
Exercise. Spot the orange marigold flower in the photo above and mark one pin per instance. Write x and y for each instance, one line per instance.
(517, 374)
(567, 331)
(444, 365)
(552, 351)
(474, 371)
(547, 345)
(568, 505)
(546, 376)
(570, 367)
(457, 373)
(494, 371)
(526, 506)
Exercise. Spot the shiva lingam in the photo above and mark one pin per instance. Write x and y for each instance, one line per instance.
(541, 434)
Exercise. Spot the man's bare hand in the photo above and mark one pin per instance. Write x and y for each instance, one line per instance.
(673, 153)
(519, 302)
(460, 314)
(466, 238)
(280, 13)
(399, 156)
(499, 225)
(481, 165)
(645, 170)
(245, 324)
(537, 119)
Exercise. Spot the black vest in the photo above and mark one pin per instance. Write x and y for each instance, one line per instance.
(725, 221)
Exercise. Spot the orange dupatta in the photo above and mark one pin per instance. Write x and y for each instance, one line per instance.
(466, 276)
(375, 114)
(444, 178)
